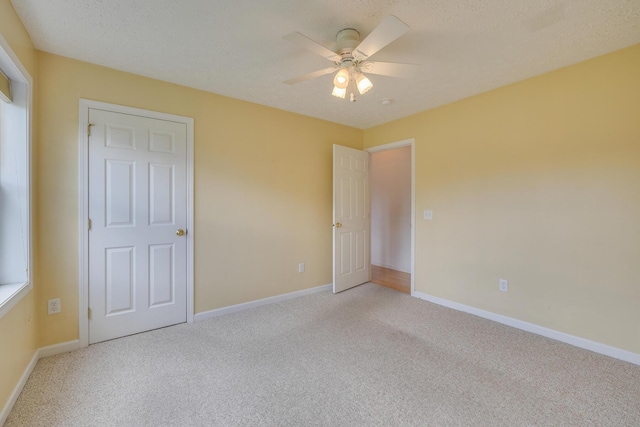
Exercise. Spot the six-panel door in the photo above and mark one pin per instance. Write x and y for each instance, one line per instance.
(351, 234)
(137, 202)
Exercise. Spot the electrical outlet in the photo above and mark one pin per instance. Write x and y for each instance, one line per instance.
(301, 267)
(54, 306)
(504, 285)
(428, 214)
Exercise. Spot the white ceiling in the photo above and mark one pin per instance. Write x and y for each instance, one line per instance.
(235, 47)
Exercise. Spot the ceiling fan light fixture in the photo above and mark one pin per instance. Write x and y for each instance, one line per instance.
(363, 83)
(351, 57)
(341, 80)
(339, 92)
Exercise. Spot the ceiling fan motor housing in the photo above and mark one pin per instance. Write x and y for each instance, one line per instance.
(348, 39)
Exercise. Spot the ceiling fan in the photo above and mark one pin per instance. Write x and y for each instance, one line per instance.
(351, 58)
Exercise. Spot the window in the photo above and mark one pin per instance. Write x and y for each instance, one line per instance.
(15, 193)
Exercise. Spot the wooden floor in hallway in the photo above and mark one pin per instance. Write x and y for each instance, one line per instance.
(394, 279)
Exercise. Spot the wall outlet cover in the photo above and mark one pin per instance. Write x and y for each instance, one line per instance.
(53, 306)
(504, 285)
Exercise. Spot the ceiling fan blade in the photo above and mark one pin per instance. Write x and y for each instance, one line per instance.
(310, 76)
(305, 42)
(391, 69)
(386, 32)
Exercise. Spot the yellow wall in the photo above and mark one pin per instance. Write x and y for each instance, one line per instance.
(262, 189)
(537, 183)
(18, 327)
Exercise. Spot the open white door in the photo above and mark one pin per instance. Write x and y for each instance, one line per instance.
(351, 218)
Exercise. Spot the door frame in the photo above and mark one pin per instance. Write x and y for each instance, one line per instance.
(83, 204)
(390, 146)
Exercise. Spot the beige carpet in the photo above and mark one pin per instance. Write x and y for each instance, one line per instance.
(366, 357)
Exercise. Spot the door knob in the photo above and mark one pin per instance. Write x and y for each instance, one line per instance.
(338, 225)
(180, 232)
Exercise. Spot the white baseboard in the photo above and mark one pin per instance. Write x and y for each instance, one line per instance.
(63, 347)
(594, 346)
(257, 303)
(37, 355)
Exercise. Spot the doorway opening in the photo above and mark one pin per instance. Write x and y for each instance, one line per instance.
(391, 183)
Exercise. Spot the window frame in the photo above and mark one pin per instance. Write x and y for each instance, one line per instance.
(20, 111)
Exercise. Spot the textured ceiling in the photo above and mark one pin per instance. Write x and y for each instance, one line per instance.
(235, 47)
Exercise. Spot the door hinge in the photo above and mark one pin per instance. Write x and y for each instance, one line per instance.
(89, 224)
(89, 313)
(89, 128)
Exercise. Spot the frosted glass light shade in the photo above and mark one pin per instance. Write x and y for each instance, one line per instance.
(363, 83)
(339, 92)
(341, 80)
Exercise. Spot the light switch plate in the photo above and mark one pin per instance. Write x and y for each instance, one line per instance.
(428, 214)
